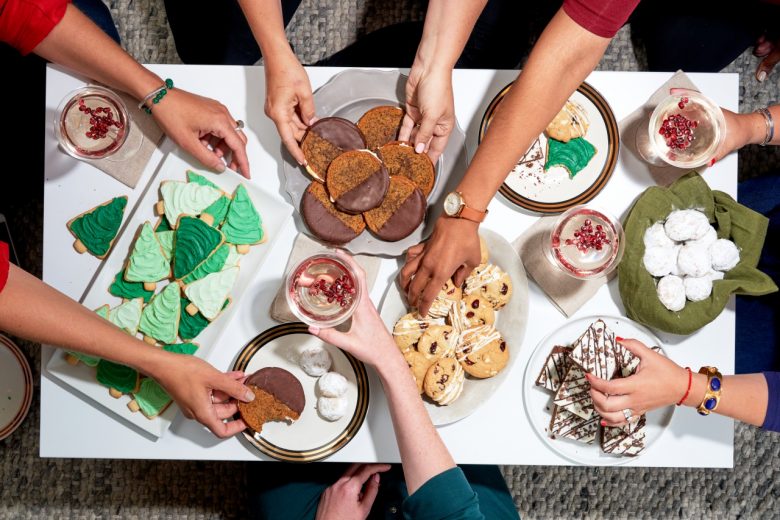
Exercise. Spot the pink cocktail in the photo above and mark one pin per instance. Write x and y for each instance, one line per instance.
(322, 290)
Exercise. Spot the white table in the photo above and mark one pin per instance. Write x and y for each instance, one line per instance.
(73, 427)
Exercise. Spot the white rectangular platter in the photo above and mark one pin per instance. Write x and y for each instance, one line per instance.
(274, 213)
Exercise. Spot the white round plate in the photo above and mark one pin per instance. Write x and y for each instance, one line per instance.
(350, 94)
(16, 387)
(539, 401)
(510, 321)
(311, 437)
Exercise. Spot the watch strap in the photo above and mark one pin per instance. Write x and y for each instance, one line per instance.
(472, 214)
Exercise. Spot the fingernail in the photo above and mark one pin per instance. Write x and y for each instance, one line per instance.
(420, 148)
(313, 120)
(603, 423)
(220, 167)
(618, 339)
(713, 161)
(249, 396)
(376, 478)
(761, 76)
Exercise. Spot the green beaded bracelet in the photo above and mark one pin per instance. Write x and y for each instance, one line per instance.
(156, 96)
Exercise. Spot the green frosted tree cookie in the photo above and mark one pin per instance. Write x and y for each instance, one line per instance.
(243, 225)
(185, 198)
(573, 156)
(233, 258)
(165, 238)
(147, 262)
(160, 319)
(190, 326)
(129, 290)
(215, 214)
(118, 378)
(215, 262)
(151, 399)
(208, 294)
(127, 315)
(194, 242)
(162, 224)
(96, 229)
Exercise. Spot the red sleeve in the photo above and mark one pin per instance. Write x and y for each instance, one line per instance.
(601, 17)
(3, 265)
(25, 23)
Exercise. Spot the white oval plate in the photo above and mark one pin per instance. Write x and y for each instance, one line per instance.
(539, 404)
(510, 321)
(350, 94)
(16, 387)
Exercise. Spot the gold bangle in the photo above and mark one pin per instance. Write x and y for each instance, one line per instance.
(712, 396)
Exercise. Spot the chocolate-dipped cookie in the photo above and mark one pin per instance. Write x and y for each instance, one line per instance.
(278, 397)
(401, 159)
(324, 220)
(380, 125)
(400, 213)
(357, 181)
(327, 139)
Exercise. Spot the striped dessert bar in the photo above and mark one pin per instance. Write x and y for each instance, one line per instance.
(554, 369)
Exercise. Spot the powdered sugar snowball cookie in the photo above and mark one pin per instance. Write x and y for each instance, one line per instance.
(315, 361)
(659, 260)
(697, 289)
(724, 255)
(332, 408)
(332, 384)
(706, 241)
(676, 254)
(686, 224)
(716, 275)
(694, 261)
(671, 292)
(655, 236)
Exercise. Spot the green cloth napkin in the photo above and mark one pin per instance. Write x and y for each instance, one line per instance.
(745, 227)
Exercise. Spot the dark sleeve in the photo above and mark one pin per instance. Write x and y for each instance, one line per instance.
(447, 496)
(772, 419)
(4, 265)
(601, 17)
(25, 23)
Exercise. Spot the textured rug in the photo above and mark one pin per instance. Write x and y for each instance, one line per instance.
(54, 488)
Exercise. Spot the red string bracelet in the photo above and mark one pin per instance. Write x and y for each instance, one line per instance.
(688, 391)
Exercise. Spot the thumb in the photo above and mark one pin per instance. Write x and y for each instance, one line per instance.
(370, 491)
(306, 106)
(767, 64)
(207, 158)
(331, 336)
(228, 384)
(424, 134)
(634, 346)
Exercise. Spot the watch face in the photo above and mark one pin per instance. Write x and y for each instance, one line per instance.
(452, 204)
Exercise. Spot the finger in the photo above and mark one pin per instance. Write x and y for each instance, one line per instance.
(415, 251)
(223, 430)
(288, 139)
(370, 492)
(228, 133)
(609, 403)
(206, 157)
(424, 134)
(233, 388)
(352, 469)
(438, 144)
(359, 271)
(421, 279)
(634, 346)
(225, 410)
(620, 386)
(677, 91)
(330, 335)
(364, 472)
(461, 274)
(306, 106)
(615, 419)
(767, 64)
(407, 125)
(409, 272)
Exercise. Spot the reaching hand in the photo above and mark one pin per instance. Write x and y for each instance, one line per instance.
(658, 382)
(430, 110)
(451, 252)
(204, 393)
(195, 122)
(289, 102)
(770, 52)
(352, 496)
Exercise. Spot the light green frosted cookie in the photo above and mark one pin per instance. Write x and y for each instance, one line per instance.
(243, 225)
(165, 238)
(147, 262)
(160, 319)
(151, 399)
(215, 262)
(127, 315)
(233, 258)
(208, 294)
(185, 198)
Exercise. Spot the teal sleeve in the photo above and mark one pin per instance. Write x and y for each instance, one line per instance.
(448, 496)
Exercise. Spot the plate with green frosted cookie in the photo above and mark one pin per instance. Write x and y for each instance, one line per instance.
(570, 162)
(176, 270)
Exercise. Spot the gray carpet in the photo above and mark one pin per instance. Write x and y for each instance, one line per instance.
(48, 488)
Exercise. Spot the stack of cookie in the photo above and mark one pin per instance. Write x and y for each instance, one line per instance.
(458, 338)
(195, 249)
(574, 416)
(566, 143)
(363, 178)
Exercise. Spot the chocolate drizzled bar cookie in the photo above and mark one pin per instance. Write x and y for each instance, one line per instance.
(571, 426)
(574, 394)
(594, 351)
(627, 440)
(554, 369)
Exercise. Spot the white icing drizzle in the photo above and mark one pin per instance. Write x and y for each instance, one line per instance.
(482, 277)
(453, 390)
(476, 339)
(411, 326)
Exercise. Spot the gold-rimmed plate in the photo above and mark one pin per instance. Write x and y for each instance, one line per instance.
(310, 438)
(16, 387)
(554, 190)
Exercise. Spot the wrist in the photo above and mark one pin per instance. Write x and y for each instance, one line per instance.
(152, 361)
(698, 389)
(144, 83)
(753, 128)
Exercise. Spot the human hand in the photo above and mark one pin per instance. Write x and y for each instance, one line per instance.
(452, 252)
(195, 122)
(289, 101)
(658, 382)
(430, 110)
(769, 50)
(352, 496)
(204, 393)
(367, 339)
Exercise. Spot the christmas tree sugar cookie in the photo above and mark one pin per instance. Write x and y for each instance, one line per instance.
(96, 229)
(151, 399)
(118, 378)
(182, 348)
(185, 198)
(215, 214)
(215, 262)
(194, 242)
(233, 257)
(127, 315)
(162, 224)
(243, 225)
(160, 319)
(573, 155)
(208, 294)
(190, 326)
(147, 261)
(129, 290)
(73, 358)
(165, 238)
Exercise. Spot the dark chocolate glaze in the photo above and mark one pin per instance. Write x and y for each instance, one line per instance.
(340, 132)
(367, 195)
(281, 384)
(322, 223)
(405, 220)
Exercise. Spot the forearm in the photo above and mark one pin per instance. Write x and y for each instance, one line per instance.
(267, 23)
(448, 24)
(33, 310)
(743, 397)
(562, 58)
(79, 44)
(423, 454)
(754, 126)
